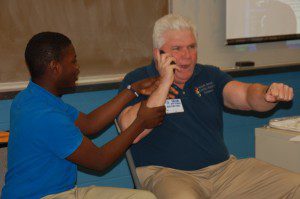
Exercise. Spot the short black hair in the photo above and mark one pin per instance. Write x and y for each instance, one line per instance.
(43, 48)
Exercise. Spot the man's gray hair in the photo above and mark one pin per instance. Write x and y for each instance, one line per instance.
(170, 22)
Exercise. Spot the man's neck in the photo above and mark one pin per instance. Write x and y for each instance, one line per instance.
(179, 85)
(47, 85)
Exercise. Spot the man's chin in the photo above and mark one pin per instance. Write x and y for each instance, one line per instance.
(68, 89)
(181, 79)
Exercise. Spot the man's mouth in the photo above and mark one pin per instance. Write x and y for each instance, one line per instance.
(184, 66)
(76, 76)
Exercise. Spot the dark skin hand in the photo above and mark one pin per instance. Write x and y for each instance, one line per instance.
(99, 158)
(104, 115)
(150, 88)
(146, 117)
(146, 86)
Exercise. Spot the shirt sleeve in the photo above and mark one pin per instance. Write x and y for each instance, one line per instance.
(72, 112)
(221, 79)
(60, 134)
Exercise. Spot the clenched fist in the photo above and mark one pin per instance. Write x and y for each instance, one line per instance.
(278, 92)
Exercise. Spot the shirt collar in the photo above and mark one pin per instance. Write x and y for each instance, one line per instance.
(151, 70)
(37, 90)
(195, 74)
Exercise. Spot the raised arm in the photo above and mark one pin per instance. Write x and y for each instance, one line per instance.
(100, 158)
(257, 97)
(104, 115)
(157, 98)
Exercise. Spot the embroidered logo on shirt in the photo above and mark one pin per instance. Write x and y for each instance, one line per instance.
(204, 89)
(197, 91)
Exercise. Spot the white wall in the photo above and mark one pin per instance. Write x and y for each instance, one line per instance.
(209, 17)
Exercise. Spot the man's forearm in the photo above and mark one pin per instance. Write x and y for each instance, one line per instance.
(100, 158)
(105, 114)
(256, 98)
(157, 98)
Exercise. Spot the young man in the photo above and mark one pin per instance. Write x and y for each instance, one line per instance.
(186, 156)
(48, 137)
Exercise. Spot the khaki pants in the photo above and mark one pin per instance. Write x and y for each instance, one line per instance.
(94, 192)
(231, 179)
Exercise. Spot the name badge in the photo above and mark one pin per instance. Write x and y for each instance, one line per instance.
(173, 106)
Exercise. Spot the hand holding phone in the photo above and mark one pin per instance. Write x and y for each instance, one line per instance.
(163, 52)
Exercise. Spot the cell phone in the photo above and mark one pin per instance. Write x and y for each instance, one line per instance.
(163, 52)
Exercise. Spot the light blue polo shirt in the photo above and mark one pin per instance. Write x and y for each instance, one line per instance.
(42, 135)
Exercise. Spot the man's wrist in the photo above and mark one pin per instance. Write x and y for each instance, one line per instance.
(164, 88)
(166, 81)
(133, 90)
(139, 124)
(267, 89)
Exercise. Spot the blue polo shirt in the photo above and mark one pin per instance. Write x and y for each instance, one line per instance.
(42, 135)
(193, 139)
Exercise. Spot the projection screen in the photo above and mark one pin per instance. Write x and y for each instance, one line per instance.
(252, 21)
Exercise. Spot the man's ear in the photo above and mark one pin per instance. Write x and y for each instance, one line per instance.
(155, 51)
(55, 68)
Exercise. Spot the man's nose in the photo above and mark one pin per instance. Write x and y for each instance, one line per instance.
(186, 53)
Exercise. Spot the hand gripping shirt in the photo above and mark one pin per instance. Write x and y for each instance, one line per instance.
(192, 139)
(42, 135)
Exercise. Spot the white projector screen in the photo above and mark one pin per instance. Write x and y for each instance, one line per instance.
(251, 21)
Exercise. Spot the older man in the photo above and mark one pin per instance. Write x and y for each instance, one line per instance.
(186, 156)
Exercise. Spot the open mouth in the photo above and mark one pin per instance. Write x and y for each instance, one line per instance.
(184, 66)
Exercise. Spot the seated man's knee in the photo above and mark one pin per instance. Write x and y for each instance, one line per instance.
(295, 179)
(175, 188)
(184, 194)
(144, 194)
(176, 193)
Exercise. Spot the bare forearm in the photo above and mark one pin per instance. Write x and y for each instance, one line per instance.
(159, 96)
(105, 114)
(128, 116)
(256, 98)
(100, 158)
(114, 149)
